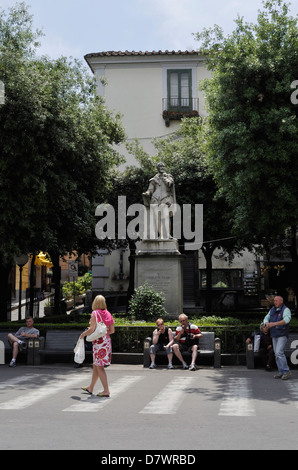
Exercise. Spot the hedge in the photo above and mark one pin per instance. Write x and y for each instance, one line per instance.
(129, 335)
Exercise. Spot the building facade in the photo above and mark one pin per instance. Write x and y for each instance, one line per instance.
(151, 90)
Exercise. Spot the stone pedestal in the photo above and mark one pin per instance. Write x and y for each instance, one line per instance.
(160, 264)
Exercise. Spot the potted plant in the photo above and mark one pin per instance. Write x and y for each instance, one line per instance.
(75, 291)
(48, 309)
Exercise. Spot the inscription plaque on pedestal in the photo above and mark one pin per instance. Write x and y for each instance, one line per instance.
(160, 265)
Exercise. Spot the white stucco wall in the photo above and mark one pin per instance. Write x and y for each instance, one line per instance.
(136, 86)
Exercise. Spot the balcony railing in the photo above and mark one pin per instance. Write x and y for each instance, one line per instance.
(178, 108)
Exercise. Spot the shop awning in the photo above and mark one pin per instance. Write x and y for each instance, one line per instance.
(43, 259)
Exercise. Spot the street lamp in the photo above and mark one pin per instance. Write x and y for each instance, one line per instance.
(21, 261)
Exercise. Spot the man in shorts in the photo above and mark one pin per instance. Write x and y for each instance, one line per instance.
(19, 339)
(162, 341)
(186, 338)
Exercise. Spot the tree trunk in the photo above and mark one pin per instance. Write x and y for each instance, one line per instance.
(32, 285)
(208, 252)
(57, 281)
(130, 290)
(4, 291)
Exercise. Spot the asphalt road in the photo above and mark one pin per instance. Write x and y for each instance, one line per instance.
(177, 411)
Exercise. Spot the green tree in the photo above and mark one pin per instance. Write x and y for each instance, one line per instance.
(56, 148)
(253, 138)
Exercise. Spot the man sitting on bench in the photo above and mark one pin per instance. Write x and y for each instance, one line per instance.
(162, 341)
(186, 339)
(19, 339)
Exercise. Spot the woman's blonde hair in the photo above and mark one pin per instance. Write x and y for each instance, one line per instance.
(99, 303)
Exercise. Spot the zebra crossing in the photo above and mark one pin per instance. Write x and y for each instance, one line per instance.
(167, 401)
(236, 397)
(92, 404)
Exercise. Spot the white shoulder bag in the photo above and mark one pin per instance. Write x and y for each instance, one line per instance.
(100, 330)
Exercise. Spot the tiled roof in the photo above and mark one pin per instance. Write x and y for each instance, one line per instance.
(139, 53)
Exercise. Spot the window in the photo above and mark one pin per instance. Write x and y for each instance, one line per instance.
(223, 278)
(179, 90)
(178, 100)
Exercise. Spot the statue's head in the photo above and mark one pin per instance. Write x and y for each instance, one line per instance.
(160, 167)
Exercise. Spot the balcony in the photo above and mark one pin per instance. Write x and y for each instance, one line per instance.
(174, 109)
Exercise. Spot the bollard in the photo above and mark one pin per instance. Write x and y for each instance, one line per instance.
(38, 344)
(36, 356)
(2, 353)
(217, 353)
(250, 358)
(147, 344)
(30, 352)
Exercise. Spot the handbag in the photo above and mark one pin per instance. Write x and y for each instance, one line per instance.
(100, 330)
(79, 351)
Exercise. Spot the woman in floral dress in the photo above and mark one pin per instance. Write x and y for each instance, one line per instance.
(102, 347)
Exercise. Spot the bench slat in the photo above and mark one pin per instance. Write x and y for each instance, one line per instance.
(60, 342)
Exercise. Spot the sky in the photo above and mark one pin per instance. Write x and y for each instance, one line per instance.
(74, 28)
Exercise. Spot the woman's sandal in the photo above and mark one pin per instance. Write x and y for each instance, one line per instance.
(85, 389)
(102, 395)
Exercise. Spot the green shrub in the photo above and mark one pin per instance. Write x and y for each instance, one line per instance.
(216, 320)
(78, 287)
(146, 304)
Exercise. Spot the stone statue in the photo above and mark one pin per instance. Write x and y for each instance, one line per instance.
(159, 199)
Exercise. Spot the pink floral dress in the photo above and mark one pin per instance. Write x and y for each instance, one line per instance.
(102, 347)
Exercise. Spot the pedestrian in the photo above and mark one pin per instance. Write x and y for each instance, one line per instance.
(162, 341)
(186, 339)
(19, 339)
(102, 347)
(277, 320)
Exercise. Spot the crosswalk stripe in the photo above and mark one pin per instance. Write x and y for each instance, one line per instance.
(293, 389)
(94, 403)
(15, 381)
(168, 400)
(40, 393)
(237, 400)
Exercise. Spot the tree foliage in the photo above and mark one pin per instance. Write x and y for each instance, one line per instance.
(56, 147)
(253, 138)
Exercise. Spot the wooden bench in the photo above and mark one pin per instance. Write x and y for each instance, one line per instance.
(61, 343)
(30, 349)
(209, 347)
(291, 351)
